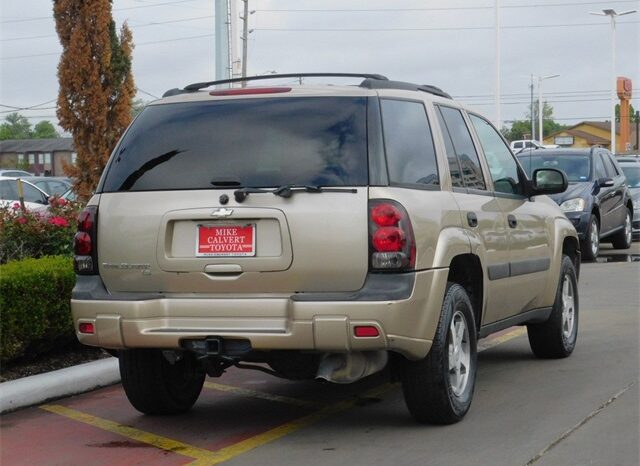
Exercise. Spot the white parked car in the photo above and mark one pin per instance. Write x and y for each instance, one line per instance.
(34, 198)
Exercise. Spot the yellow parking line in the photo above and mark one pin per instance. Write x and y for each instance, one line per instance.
(206, 457)
(157, 441)
(262, 395)
(225, 454)
(485, 344)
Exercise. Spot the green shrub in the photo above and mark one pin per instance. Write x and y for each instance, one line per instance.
(35, 312)
(35, 234)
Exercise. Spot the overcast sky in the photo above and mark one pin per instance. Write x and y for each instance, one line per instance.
(448, 43)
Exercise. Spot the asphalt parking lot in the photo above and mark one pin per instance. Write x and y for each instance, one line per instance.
(577, 411)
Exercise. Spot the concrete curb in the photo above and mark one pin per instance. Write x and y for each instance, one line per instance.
(36, 389)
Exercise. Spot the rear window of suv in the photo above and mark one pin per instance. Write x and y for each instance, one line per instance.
(270, 142)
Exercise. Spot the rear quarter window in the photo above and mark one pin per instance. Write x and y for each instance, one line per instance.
(411, 156)
(249, 142)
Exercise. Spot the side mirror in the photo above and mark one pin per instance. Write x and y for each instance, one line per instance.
(548, 181)
(605, 182)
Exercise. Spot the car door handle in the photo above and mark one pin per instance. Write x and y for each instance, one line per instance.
(512, 221)
(472, 219)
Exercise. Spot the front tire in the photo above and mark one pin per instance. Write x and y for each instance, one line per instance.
(591, 244)
(556, 338)
(439, 388)
(623, 238)
(155, 386)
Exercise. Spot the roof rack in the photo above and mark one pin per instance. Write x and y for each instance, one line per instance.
(198, 86)
(371, 84)
(371, 81)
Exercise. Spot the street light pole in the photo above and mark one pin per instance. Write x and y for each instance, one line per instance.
(540, 106)
(612, 14)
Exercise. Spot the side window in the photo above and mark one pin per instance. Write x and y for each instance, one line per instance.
(502, 165)
(31, 194)
(463, 144)
(411, 155)
(8, 190)
(598, 167)
(518, 145)
(609, 166)
(454, 165)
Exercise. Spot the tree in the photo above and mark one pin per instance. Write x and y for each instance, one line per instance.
(520, 128)
(44, 129)
(96, 85)
(17, 126)
(632, 113)
(137, 106)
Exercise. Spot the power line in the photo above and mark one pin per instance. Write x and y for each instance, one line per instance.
(40, 18)
(460, 28)
(386, 10)
(134, 27)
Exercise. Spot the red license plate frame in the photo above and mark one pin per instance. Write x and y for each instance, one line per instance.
(226, 240)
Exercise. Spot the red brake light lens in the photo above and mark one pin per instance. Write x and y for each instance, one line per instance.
(82, 243)
(388, 239)
(250, 90)
(85, 220)
(385, 215)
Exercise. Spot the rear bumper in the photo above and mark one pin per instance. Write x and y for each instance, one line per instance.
(405, 311)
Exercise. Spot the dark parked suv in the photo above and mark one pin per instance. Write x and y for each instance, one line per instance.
(597, 202)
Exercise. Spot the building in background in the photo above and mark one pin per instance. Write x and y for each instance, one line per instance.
(590, 133)
(43, 157)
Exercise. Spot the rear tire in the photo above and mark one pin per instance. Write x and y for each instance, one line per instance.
(556, 338)
(623, 239)
(154, 386)
(439, 388)
(591, 244)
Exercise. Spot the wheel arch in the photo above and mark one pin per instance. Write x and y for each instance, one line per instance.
(571, 248)
(466, 270)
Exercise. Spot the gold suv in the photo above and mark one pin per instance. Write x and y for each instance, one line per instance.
(319, 232)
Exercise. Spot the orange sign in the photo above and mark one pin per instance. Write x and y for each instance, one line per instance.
(625, 88)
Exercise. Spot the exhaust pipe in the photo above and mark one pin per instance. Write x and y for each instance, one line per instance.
(346, 368)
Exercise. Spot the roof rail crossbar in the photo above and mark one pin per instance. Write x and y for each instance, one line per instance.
(373, 84)
(202, 85)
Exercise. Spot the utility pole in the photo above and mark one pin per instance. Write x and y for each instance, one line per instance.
(245, 39)
(533, 132)
(612, 14)
(222, 44)
(497, 71)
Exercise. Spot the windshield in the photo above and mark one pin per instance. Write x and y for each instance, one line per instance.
(249, 142)
(633, 176)
(576, 167)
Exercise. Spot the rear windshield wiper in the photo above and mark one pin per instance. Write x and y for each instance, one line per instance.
(287, 191)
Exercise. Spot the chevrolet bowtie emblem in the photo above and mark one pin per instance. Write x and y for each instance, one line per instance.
(221, 212)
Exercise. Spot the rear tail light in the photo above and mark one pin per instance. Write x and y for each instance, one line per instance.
(391, 241)
(85, 261)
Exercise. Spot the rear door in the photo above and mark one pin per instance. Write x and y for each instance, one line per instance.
(172, 219)
(482, 216)
(529, 225)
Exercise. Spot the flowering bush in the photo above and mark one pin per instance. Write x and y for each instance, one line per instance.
(37, 233)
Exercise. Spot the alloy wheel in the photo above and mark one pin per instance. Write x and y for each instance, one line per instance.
(459, 354)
